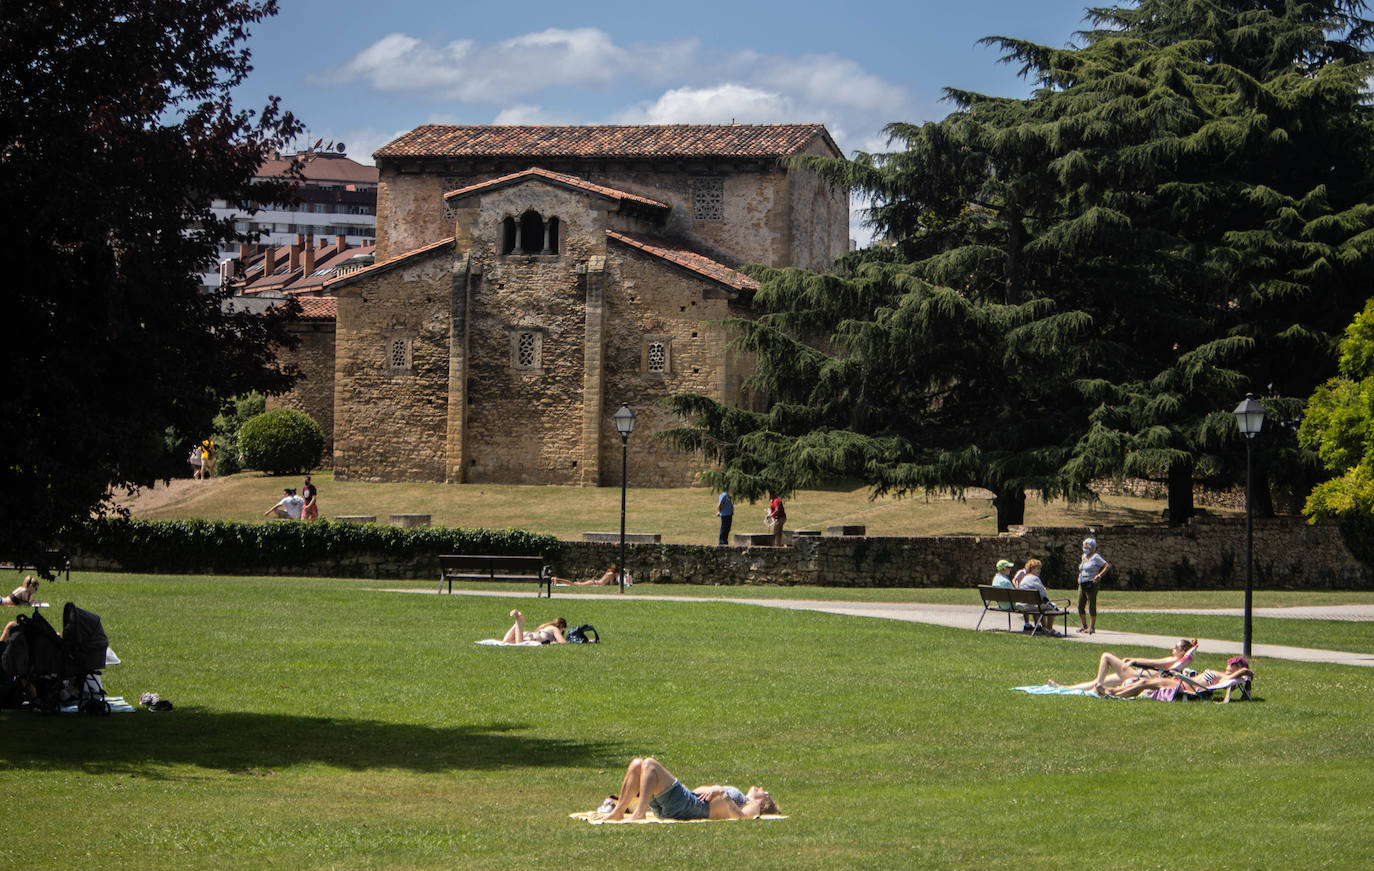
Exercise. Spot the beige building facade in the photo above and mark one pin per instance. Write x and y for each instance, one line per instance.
(530, 280)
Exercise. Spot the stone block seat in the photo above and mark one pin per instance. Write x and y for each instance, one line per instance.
(630, 537)
(846, 530)
(410, 521)
(356, 518)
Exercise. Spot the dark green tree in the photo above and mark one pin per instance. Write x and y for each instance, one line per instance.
(116, 132)
(1141, 240)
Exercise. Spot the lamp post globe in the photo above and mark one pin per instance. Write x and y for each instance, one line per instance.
(624, 424)
(1249, 419)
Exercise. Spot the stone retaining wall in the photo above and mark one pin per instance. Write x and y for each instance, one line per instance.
(1208, 553)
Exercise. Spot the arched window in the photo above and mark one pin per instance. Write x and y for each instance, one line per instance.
(531, 233)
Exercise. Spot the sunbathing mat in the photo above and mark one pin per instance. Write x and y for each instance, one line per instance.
(1048, 690)
(496, 642)
(650, 817)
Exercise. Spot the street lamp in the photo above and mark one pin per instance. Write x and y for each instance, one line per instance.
(624, 424)
(1249, 417)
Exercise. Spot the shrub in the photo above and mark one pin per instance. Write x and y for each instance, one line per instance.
(227, 426)
(281, 442)
(226, 547)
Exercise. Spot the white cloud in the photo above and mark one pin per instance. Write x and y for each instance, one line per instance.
(719, 105)
(832, 81)
(522, 113)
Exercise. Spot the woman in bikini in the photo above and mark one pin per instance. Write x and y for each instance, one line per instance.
(1166, 688)
(547, 633)
(648, 785)
(606, 580)
(1113, 671)
(23, 594)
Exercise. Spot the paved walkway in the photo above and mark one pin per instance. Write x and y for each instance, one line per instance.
(967, 616)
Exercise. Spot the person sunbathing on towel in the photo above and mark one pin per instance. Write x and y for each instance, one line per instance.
(547, 633)
(23, 594)
(1113, 671)
(1237, 671)
(609, 579)
(648, 784)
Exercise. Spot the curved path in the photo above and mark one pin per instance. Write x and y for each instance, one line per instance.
(967, 616)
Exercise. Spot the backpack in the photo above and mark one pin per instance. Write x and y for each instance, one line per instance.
(578, 635)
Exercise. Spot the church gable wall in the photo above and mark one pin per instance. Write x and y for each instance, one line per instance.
(655, 303)
(736, 212)
(391, 381)
(527, 325)
(313, 394)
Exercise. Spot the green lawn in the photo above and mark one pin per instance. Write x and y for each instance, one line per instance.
(321, 724)
(680, 515)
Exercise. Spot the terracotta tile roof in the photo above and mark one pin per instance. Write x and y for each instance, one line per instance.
(624, 140)
(318, 168)
(687, 259)
(386, 264)
(559, 178)
(318, 307)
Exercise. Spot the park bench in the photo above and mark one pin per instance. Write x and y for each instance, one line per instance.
(57, 562)
(474, 567)
(1020, 602)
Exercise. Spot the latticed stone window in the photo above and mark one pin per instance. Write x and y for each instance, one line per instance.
(450, 183)
(399, 355)
(656, 358)
(708, 199)
(527, 350)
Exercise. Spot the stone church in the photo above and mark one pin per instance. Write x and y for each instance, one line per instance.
(529, 280)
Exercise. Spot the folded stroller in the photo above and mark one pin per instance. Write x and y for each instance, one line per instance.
(58, 670)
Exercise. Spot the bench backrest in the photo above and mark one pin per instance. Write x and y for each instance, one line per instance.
(1008, 594)
(496, 563)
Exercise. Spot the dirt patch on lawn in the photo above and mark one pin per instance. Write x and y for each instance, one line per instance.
(161, 495)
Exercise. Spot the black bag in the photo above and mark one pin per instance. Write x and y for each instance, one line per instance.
(579, 635)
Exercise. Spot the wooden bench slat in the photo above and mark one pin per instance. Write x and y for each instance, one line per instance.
(494, 567)
(1021, 602)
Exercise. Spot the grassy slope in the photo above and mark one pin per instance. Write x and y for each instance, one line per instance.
(682, 516)
(320, 724)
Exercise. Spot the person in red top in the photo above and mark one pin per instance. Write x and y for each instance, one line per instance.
(776, 517)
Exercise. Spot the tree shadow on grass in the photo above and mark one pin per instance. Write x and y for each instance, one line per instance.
(144, 744)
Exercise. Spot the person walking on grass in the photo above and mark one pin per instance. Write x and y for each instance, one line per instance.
(1090, 572)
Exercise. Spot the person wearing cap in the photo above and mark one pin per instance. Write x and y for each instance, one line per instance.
(1090, 572)
(1003, 579)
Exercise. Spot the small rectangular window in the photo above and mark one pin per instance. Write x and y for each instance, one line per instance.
(399, 359)
(527, 350)
(656, 355)
(708, 199)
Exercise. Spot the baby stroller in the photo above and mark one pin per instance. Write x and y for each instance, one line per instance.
(53, 671)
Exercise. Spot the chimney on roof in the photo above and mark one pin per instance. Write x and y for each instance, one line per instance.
(309, 262)
(269, 261)
(342, 242)
(243, 252)
(323, 241)
(294, 256)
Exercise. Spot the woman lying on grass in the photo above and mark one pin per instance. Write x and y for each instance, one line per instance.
(547, 633)
(1113, 671)
(648, 784)
(1167, 688)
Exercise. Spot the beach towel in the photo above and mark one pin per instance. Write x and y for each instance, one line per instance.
(1048, 690)
(651, 817)
(116, 703)
(496, 642)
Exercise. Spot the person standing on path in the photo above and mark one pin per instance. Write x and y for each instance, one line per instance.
(311, 509)
(725, 510)
(776, 517)
(1090, 572)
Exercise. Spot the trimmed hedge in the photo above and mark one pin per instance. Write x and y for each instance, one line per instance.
(192, 546)
(281, 442)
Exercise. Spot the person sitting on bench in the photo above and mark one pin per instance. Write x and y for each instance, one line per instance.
(648, 784)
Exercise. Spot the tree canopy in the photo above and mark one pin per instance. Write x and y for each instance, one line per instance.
(1339, 426)
(1080, 283)
(116, 132)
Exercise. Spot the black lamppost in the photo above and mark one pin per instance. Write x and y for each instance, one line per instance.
(1249, 417)
(624, 424)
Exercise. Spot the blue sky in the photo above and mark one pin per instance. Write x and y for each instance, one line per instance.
(361, 72)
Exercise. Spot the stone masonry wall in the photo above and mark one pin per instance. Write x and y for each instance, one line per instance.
(1289, 554)
(314, 392)
(763, 208)
(649, 300)
(390, 420)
